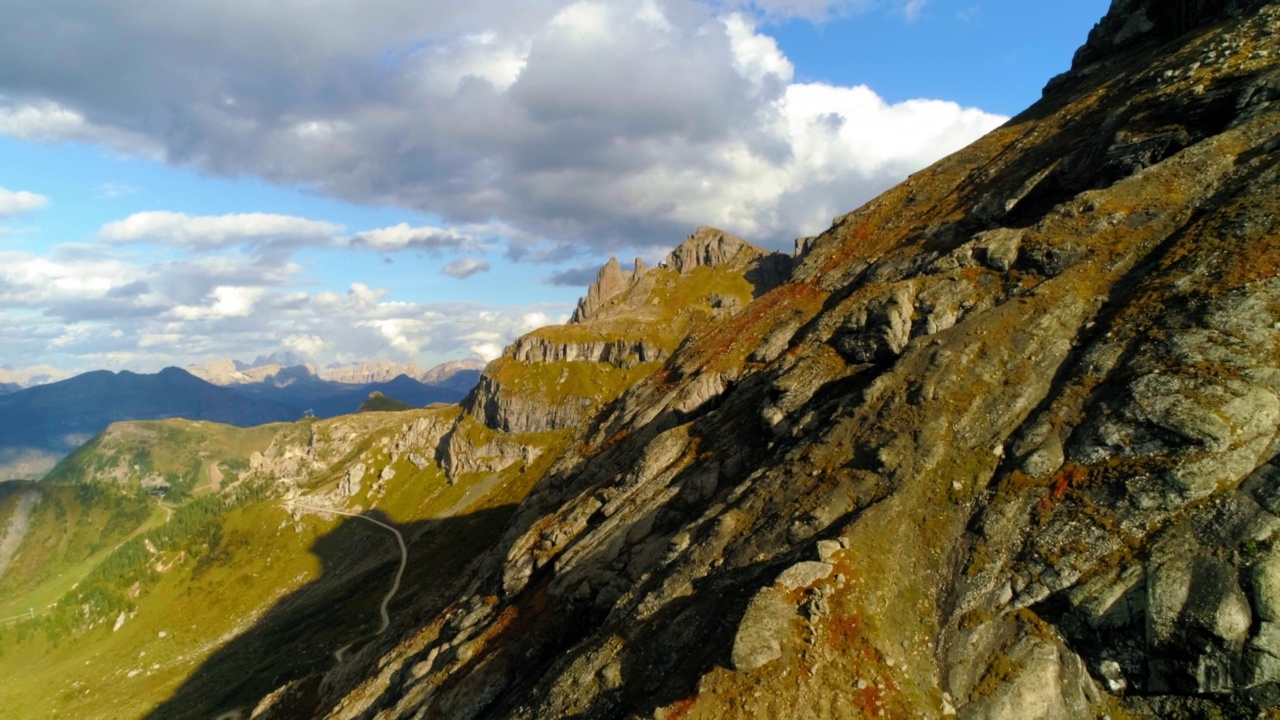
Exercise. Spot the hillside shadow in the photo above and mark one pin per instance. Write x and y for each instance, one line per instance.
(338, 612)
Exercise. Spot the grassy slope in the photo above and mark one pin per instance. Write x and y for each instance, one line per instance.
(228, 593)
(71, 530)
(257, 596)
(662, 310)
(181, 450)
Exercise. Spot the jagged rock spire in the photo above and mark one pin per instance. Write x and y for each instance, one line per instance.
(611, 281)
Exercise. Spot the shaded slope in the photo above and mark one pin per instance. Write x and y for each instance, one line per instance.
(1001, 447)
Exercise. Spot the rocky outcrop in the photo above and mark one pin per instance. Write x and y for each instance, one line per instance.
(519, 412)
(1005, 444)
(370, 371)
(1132, 22)
(618, 353)
(611, 281)
(709, 247)
(705, 247)
(459, 374)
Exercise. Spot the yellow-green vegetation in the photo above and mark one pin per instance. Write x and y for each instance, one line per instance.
(70, 530)
(177, 454)
(215, 599)
(558, 382)
(661, 309)
(191, 601)
(727, 346)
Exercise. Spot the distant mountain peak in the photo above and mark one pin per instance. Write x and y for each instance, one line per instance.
(711, 247)
(610, 282)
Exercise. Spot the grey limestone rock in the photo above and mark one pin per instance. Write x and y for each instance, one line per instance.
(350, 484)
(611, 281)
(804, 574)
(759, 638)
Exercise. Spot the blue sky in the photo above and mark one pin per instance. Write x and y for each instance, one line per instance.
(181, 182)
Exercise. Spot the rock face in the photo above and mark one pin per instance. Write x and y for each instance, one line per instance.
(709, 247)
(705, 247)
(1133, 22)
(1004, 444)
(619, 353)
(628, 323)
(611, 281)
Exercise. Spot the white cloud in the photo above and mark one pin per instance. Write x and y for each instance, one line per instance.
(259, 230)
(568, 129)
(405, 237)
(306, 345)
(533, 321)
(582, 124)
(34, 281)
(463, 268)
(487, 351)
(755, 56)
(80, 310)
(48, 121)
(227, 302)
(21, 201)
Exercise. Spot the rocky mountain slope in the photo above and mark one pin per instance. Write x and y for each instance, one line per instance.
(1002, 445)
(239, 519)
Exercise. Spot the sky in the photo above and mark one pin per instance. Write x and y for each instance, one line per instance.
(425, 180)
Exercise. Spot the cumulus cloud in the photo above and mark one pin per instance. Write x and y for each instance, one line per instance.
(569, 129)
(260, 231)
(463, 268)
(577, 125)
(404, 237)
(81, 311)
(21, 201)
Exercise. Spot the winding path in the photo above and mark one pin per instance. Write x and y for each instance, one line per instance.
(404, 555)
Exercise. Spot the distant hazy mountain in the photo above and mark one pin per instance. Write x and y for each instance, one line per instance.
(41, 424)
(328, 399)
(460, 375)
(30, 376)
(51, 420)
(456, 373)
(233, 372)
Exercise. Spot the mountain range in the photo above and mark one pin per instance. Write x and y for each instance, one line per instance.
(42, 423)
(1002, 443)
